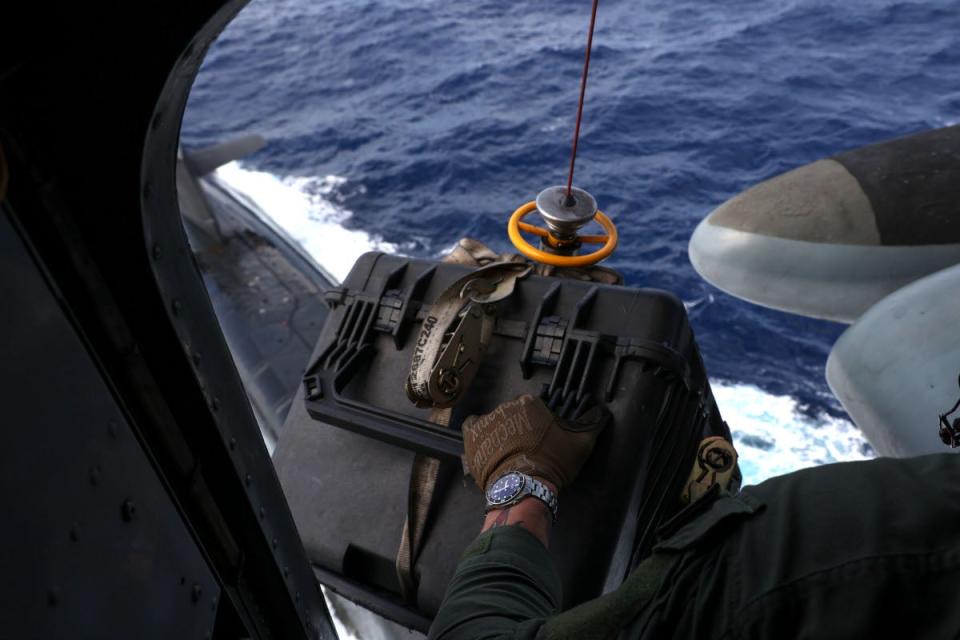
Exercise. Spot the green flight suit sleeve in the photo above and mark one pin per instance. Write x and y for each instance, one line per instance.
(504, 588)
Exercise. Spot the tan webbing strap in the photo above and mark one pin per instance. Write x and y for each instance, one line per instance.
(425, 469)
(452, 340)
(443, 365)
(423, 482)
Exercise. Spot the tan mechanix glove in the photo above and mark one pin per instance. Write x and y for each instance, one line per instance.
(524, 435)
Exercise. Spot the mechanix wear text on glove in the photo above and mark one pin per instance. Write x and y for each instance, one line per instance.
(524, 435)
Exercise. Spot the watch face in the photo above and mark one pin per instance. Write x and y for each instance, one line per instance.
(505, 489)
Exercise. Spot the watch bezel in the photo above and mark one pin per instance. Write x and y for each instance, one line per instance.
(511, 497)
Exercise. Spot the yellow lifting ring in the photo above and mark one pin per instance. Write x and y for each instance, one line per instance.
(516, 225)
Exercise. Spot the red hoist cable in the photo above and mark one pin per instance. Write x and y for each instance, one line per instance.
(583, 91)
(565, 210)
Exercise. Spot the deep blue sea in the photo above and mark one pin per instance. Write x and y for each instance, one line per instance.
(406, 125)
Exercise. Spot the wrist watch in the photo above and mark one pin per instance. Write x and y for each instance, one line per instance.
(513, 486)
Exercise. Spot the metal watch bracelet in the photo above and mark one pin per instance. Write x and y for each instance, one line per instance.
(513, 486)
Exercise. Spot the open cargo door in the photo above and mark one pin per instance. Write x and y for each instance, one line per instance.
(141, 500)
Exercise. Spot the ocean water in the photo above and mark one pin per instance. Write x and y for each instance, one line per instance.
(406, 125)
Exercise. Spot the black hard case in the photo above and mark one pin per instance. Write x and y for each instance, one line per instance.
(631, 349)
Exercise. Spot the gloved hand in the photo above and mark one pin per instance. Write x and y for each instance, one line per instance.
(524, 435)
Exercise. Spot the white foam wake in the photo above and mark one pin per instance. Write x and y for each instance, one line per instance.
(303, 207)
(773, 437)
